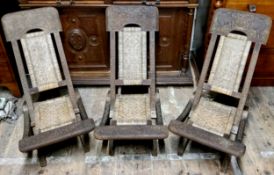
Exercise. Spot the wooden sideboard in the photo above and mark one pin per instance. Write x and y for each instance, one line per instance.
(86, 42)
(264, 73)
(7, 78)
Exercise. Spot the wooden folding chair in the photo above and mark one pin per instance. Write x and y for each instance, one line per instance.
(132, 116)
(216, 116)
(54, 112)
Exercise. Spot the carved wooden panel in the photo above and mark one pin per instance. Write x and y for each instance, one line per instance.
(85, 40)
(264, 73)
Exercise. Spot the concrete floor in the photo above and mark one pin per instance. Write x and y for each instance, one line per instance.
(69, 157)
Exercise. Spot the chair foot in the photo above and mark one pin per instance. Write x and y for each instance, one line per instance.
(225, 160)
(42, 158)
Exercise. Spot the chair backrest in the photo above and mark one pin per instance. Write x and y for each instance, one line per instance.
(35, 39)
(229, 63)
(233, 48)
(135, 27)
(41, 60)
(234, 31)
(132, 55)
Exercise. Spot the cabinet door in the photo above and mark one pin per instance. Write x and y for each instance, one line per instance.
(173, 39)
(7, 78)
(85, 42)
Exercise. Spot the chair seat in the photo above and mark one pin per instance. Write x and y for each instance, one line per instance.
(53, 113)
(213, 117)
(131, 132)
(56, 135)
(206, 138)
(132, 109)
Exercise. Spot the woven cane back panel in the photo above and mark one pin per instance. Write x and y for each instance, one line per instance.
(229, 63)
(53, 113)
(41, 60)
(132, 55)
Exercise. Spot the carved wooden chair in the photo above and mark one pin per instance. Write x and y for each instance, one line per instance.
(54, 112)
(132, 116)
(216, 116)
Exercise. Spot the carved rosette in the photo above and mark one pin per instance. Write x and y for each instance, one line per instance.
(93, 40)
(164, 41)
(77, 40)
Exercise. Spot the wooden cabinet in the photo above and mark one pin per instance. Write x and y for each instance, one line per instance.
(7, 78)
(86, 42)
(264, 73)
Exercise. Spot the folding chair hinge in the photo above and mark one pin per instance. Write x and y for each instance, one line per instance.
(234, 129)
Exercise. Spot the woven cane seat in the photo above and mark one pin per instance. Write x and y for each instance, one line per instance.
(53, 113)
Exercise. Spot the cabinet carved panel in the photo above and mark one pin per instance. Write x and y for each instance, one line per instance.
(85, 41)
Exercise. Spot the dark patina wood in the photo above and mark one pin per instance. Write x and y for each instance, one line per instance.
(253, 28)
(112, 128)
(47, 21)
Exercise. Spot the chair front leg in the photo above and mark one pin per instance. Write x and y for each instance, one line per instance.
(27, 126)
(186, 111)
(80, 104)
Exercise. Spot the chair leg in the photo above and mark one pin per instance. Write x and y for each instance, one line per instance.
(154, 147)
(225, 160)
(42, 157)
(235, 166)
(183, 142)
(111, 147)
(161, 143)
(85, 142)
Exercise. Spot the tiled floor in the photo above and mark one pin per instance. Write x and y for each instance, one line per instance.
(69, 157)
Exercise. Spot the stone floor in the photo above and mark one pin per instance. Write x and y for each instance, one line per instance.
(69, 157)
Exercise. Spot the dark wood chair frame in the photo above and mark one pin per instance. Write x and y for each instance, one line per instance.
(257, 28)
(117, 18)
(15, 26)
